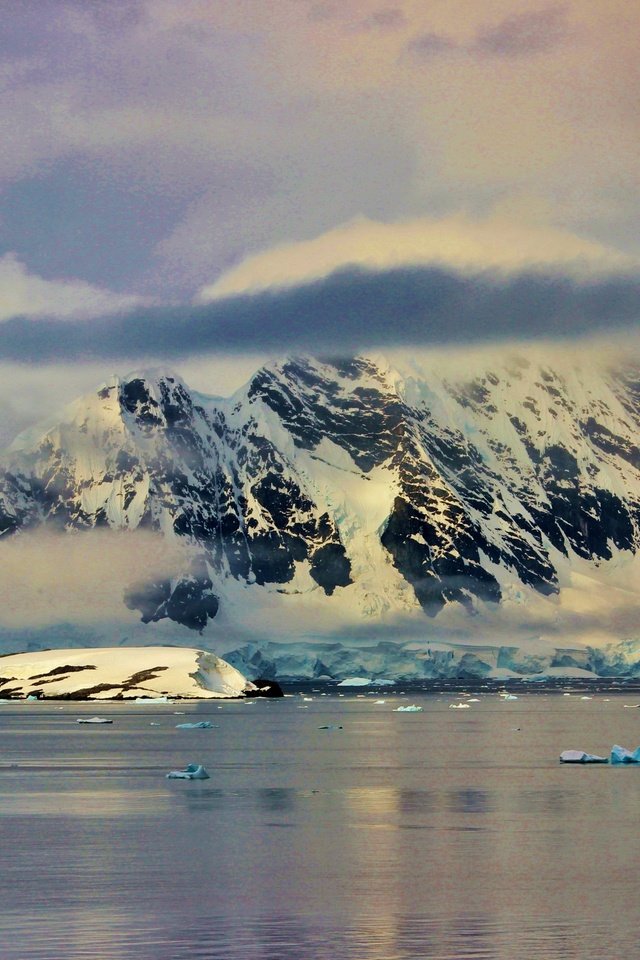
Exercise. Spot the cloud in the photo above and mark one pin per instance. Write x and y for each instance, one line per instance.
(387, 18)
(210, 114)
(526, 34)
(456, 241)
(350, 310)
(518, 35)
(428, 45)
(25, 294)
(60, 578)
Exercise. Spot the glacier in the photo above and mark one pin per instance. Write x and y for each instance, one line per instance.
(405, 516)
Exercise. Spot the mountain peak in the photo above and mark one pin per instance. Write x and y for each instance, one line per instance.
(347, 492)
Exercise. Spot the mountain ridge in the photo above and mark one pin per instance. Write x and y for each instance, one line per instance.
(367, 490)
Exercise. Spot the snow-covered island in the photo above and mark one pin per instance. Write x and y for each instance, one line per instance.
(123, 673)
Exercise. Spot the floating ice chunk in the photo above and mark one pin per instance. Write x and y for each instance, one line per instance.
(622, 755)
(355, 682)
(152, 700)
(411, 708)
(200, 725)
(379, 701)
(508, 696)
(579, 756)
(93, 720)
(32, 696)
(473, 700)
(630, 706)
(459, 706)
(586, 698)
(193, 771)
(383, 683)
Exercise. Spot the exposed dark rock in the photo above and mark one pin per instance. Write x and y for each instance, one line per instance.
(56, 671)
(266, 688)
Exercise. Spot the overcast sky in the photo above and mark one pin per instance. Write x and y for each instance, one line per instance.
(213, 180)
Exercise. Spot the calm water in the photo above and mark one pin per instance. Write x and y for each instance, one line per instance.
(441, 834)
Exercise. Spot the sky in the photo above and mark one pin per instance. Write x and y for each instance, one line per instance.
(212, 182)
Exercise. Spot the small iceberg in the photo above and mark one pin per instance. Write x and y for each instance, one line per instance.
(622, 755)
(508, 696)
(579, 756)
(412, 708)
(194, 771)
(459, 706)
(93, 720)
(355, 682)
(200, 725)
(152, 700)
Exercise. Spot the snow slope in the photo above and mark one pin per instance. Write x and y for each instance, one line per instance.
(489, 499)
(122, 674)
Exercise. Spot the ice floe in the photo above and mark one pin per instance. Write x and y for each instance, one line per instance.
(579, 756)
(200, 725)
(193, 771)
(622, 755)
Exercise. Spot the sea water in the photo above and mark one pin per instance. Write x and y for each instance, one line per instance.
(431, 834)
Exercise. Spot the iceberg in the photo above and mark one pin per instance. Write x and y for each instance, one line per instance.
(459, 706)
(152, 700)
(579, 756)
(355, 682)
(93, 720)
(193, 771)
(622, 755)
(200, 725)
(412, 708)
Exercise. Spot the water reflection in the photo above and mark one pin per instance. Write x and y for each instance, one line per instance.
(468, 801)
(368, 846)
(282, 937)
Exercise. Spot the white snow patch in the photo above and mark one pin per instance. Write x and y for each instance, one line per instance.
(173, 672)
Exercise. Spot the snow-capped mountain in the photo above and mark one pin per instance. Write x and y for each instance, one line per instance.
(344, 497)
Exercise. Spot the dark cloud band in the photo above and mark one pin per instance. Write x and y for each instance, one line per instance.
(347, 311)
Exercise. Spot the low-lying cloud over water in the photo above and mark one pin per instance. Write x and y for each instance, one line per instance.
(49, 578)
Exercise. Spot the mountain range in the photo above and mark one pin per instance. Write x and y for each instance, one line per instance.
(432, 506)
